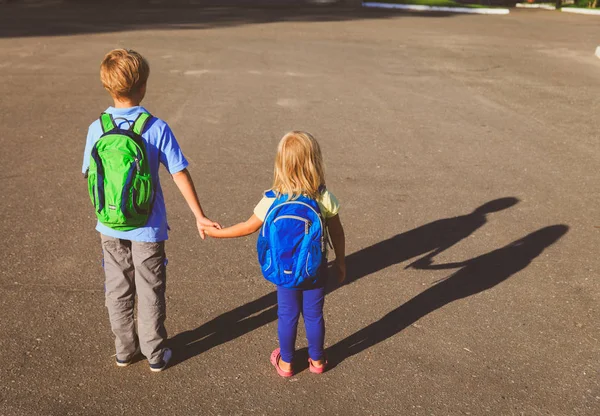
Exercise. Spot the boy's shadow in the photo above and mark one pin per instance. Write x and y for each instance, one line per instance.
(430, 239)
(474, 276)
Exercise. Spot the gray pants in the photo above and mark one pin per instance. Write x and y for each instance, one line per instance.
(132, 268)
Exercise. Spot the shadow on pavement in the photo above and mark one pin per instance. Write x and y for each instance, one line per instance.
(474, 276)
(57, 18)
(432, 238)
(429, 240)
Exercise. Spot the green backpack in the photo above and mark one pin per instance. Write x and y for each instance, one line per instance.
(119, 179)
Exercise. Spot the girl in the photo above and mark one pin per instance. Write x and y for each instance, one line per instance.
(299, 171)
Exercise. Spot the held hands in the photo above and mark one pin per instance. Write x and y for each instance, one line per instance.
(422, 263)
(212, 231)
(206, 226)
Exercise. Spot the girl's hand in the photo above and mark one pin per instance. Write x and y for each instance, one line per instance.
(239, 230)
(204, 225)
(340, 267)
(212, 231)
(336, 232)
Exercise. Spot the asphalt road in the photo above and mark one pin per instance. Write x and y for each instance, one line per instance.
(471, 140)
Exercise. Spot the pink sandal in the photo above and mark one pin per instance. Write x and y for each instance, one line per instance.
(275, 357)
(316, 370)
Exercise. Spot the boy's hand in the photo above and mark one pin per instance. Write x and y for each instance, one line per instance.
(204, 224)
(340, 267)
(211, 231)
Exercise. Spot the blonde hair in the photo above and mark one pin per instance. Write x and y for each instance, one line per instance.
(123, 72)
(298, 166)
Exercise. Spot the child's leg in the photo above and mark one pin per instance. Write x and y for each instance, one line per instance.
(312, 311)
(150, 280)
(288, 310)
(120, 294)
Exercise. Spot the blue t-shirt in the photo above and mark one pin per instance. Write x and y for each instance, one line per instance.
(161, 147)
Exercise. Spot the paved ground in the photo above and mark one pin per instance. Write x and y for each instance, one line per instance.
(472, 138)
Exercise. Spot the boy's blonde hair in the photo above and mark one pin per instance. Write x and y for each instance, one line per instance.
(299, 166)
(123, 72)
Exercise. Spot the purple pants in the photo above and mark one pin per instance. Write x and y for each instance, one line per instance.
(290, 302)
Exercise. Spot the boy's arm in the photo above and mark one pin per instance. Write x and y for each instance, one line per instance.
(251, 225)
(184, 182)
(338, 238)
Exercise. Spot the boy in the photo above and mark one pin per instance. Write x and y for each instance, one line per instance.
(134, 260)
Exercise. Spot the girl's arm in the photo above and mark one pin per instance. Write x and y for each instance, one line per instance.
(336, 232)
(242, 229)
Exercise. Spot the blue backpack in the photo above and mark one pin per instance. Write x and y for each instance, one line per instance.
(291, 244)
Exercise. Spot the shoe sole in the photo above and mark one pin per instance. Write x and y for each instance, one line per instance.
(127, 363)
(158, 370)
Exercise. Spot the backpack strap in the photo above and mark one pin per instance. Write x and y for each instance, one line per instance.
(140, 123)
(107, 122)
(270, 194)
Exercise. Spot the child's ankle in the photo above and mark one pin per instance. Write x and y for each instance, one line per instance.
(285, 366)
(318, 363)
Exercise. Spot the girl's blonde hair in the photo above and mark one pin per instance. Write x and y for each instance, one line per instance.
(298, 166)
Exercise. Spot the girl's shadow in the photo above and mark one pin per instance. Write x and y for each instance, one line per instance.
(474, 276)
(429, 240)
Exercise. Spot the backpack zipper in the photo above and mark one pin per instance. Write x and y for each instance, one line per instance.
(126, 190)
(293, 202)
(136, 159)
(307, 223)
